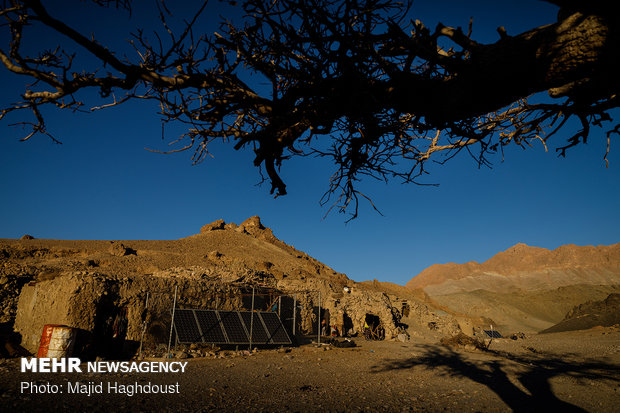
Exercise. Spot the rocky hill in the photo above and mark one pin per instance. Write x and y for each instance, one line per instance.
(83, 283)
(525, 288)
(604, 313)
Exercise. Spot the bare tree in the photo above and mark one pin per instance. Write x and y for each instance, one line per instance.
(356, 81)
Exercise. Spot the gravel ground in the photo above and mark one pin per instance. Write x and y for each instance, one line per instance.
(572, 371)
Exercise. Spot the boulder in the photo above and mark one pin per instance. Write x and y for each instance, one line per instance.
(251, 225)
(120, 250)
(214, 255)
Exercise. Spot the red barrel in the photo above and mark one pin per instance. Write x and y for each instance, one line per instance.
(56, 341)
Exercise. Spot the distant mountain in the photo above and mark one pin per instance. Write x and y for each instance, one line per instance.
(525, 268)
(524, 288)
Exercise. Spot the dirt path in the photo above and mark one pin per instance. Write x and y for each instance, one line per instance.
(563, 372)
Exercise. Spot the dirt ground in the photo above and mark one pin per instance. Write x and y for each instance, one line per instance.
(571, 371)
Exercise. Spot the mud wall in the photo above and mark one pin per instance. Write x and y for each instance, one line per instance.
(88, 302)
(54, 302)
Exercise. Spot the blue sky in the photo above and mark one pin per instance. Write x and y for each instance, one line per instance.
(101, 183)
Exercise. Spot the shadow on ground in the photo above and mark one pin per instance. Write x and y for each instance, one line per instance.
(494, 370)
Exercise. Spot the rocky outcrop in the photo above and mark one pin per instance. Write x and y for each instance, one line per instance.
(251, 225)
(120, 250)
(602, 313)
(254, 227)
(214, 226)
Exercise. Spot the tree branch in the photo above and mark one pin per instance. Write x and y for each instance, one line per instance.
(388, 95)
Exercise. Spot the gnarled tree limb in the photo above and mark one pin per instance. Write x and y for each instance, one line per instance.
(386, 93)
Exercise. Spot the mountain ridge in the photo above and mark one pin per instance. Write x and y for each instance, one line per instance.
(525, 267)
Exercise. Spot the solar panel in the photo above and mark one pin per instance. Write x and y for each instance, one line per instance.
(233, 327)
(210, 327)
(229, 327)
(276, 330)
(185, 326)
(259, 335)
(493, 333)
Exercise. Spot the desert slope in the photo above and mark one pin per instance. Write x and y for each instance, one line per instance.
(524, 288)
(527, 311)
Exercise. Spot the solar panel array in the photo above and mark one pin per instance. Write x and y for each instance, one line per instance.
(229, 327)
(493, 333)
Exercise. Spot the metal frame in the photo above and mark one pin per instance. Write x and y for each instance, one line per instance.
(493, 334)
(243, 324)
(255, 315)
